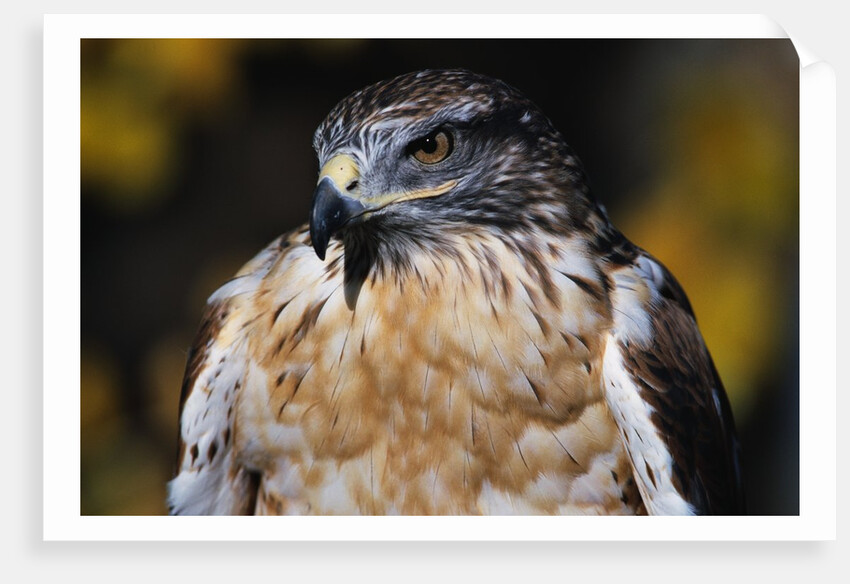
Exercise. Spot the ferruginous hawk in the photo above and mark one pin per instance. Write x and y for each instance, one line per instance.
(460, 330)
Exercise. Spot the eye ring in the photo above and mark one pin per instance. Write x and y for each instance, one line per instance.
(433, 148)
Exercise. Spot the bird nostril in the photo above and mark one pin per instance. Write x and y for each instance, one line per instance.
(352, 185)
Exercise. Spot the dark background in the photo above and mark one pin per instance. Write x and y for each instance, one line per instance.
(196, 153)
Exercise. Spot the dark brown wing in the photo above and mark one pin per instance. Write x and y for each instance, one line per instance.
(668, 399)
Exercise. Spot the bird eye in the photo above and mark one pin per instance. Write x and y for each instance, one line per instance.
(433, 148)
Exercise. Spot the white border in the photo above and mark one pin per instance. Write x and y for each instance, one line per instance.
(62, 287)
(418, 26)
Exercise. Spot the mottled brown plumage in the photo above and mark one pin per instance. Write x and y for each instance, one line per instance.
(461, 331)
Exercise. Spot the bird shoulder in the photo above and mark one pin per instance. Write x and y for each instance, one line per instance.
(666, 397)
(209, 480)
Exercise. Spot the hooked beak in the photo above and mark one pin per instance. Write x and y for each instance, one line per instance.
(332, 208)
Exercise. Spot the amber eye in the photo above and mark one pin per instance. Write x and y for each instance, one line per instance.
(433, 148)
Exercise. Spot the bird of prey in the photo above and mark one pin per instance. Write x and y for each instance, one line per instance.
(459, 330)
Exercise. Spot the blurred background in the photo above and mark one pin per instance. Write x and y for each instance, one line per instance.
(196, 153)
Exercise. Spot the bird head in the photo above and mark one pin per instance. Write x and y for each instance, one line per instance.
(428, 152)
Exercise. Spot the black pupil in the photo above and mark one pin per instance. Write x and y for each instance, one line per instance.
(429, 145)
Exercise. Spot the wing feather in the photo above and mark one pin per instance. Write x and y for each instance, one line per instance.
(210, 479)
(669, 402)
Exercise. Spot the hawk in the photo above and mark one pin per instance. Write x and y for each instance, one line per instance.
(459, 330)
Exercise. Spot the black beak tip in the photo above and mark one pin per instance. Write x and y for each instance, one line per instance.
(330, 212)
(320, 244)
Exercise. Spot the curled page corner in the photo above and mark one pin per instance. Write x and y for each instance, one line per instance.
(771, 27)
(806, 56)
